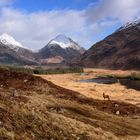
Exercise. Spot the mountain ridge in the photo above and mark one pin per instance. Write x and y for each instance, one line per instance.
(120, 50)
(61, 47)
(58, 50)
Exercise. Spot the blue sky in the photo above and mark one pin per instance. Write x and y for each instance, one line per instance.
(35, 22)
(37, 5)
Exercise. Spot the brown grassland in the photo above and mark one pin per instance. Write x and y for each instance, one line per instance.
(32, 108)
(93, 90)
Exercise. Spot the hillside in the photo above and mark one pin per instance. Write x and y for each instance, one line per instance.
(20, 57)
(34, 108)
(120, 50)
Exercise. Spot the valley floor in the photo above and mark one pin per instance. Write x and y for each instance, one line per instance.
(94, 90)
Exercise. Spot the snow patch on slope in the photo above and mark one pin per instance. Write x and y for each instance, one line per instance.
(64, 42)
(6, 39)
(130, 24)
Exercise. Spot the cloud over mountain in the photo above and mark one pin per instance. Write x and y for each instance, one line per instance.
(35, 29)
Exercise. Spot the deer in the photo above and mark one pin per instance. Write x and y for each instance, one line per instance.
(106, 96)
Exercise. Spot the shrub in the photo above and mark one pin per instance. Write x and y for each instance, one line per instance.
(59, 70)
(40, 70)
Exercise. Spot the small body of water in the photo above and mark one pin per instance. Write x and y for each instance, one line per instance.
(133, 84)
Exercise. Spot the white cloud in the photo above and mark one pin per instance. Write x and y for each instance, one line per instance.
(5, 2)
(124, 10)
(34, 30)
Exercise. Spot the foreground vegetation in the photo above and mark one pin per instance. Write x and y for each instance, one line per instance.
(40, 70)
(41, 110)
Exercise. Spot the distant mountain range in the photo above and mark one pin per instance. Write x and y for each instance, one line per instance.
(61, 49)
(120, 50)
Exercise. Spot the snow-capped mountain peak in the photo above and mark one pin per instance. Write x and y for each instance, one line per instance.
(8, 40)
(130, 24)
(64, 42)
(62, 38)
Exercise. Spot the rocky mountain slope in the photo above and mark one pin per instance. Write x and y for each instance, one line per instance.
(63, 48)
(12, 52)
(33, 108)
(120, 50)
